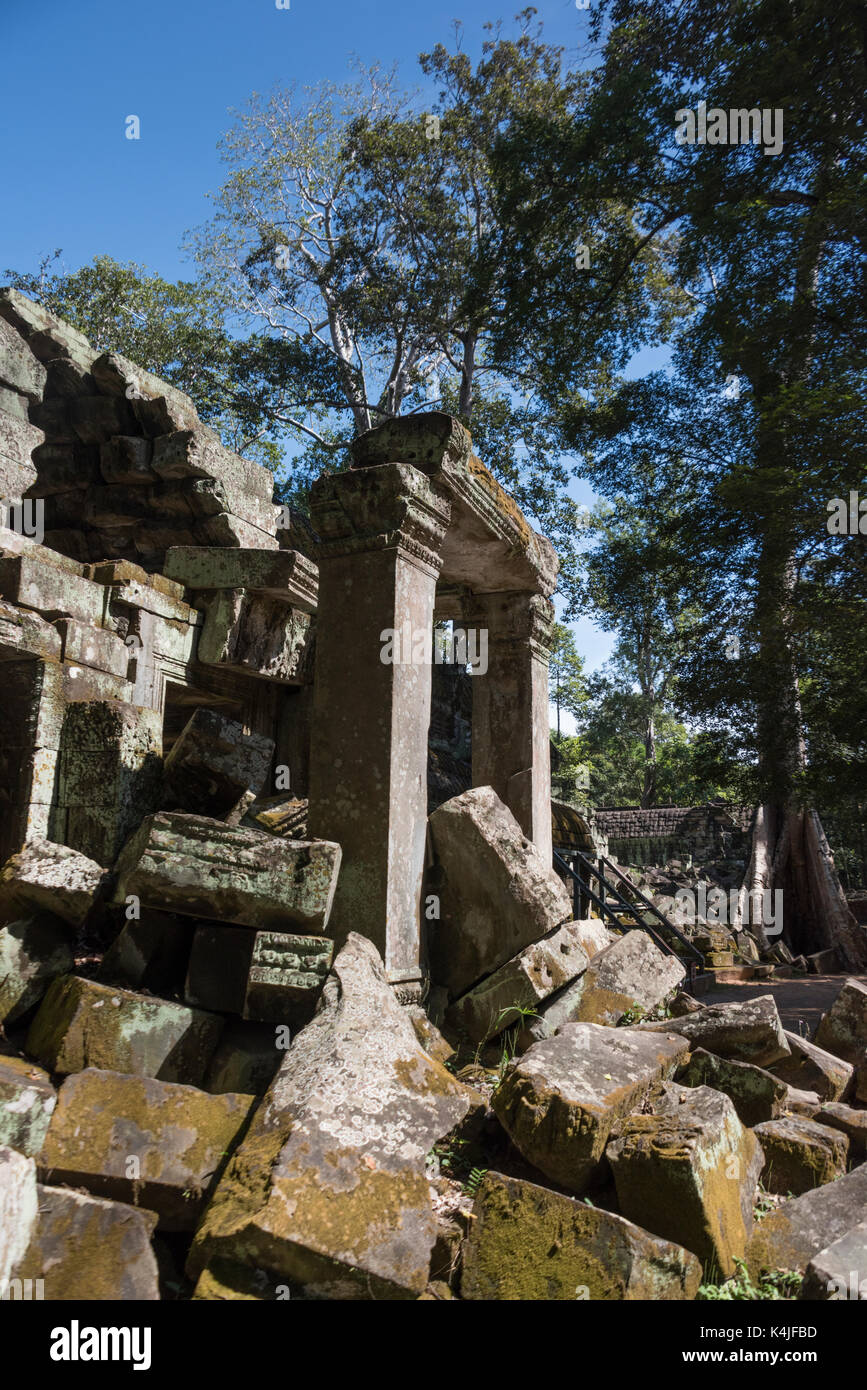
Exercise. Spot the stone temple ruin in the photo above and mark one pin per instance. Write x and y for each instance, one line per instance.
(293, 1002)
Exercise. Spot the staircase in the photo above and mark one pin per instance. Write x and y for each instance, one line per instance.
(622, 906)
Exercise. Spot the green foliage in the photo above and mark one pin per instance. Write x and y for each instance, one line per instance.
(775, 1285)
(474, 1180)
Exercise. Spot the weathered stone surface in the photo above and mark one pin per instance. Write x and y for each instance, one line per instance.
(631, 973)
(215, 768)
(20, 369)
(27, 633)
(800, 1154)
(805, 1103)
(560, 1100)
(811, 1068)
(139, 1140)
(198, 453)
(498, 895)
(851, 1122)
(33, 952)
(789, 1237)
(246, 1058)
(45, 877)
(47, 336)
(225, 1281)
(528, 1243)
(262, 976)
(17, 1207)
(110, 770)
(86, 1248)
(593, 935)
(843, 1029)
(748, 1032)
(84, 1024)
(257, 636)
(27, 1101)
(93, 646)
(756, 1094)
(158, 406)
(839, 1273)
(523, 982)
(203, 868)
(341, 1203)
(126, 459)
(279, 574)
(691, 1169)
(18, 439)
(30, 580)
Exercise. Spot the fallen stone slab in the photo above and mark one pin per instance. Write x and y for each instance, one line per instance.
(498, 894)
(522, 983)
(756, 1094)
(27, 1100)
(45, 877)
(692, 1170)
(559, 1102)
(215, 768)
(203, 868)
(811, 1068)
(806, 1103)
(341, 1203)
(138, 1140)
(630, 974)
(748, 1032)
(529, 1243)
(800, 1154)
(225, 1281)
(593, 935)
(263, 976)
(81, 1024)
(33, 952)
(257, 636)
(839, 1273)
(18, 1208)
(843, 1029)
(789, 1237)
(85, 1248)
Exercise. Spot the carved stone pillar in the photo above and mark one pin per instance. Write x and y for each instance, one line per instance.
(381, 530)
(511, 726)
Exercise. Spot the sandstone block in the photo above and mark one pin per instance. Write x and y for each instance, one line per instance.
(523, 982)
(17, 1207)
(843, 1029)
(756, 1094)
(839, 1273)
(85, 1248)
(33, 952)
(263, 976)
(215, 768)
(789, 1237)
(811, 1068)
(631, 973)
(27, 1101)
(851, 1122)
(45, 877)
(748, 1032)
(800, 1154)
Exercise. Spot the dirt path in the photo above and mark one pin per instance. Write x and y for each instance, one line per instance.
(806, 998)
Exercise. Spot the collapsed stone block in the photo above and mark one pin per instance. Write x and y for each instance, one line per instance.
(17, 1207)
(45, 877)
(279, 574)
(33, 952)
(31, 581)
(692, 1170)
(84, 1024)
(136, 1139)
(27, 1101)
(748, 1032)
(529, 1243)
(257, 636)
(84, 1248)
(756, 1094)
(631, 973)
(498, 894)
(343, 1208)
(839, 1272)
(811, 1068)
(851, 1122)
(843, 1029)
(558, 1103)
(226, 1281)
(203, 868)
(800, 1154)
(522, 983)
(263, 976)
(789, 1237)
(215, 768)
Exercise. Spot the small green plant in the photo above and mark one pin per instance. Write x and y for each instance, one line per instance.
(474, 1180)
(775, 1284)
(525, 1015)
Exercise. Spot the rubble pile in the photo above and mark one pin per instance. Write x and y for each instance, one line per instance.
(242, 1058)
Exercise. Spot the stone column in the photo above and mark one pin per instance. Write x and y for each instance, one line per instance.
(380, 529)
(511, 725)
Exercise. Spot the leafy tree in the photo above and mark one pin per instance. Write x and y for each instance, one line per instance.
(566, 674)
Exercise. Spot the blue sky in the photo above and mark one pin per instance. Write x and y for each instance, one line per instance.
(75, 72)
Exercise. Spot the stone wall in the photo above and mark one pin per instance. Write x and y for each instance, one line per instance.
(656, 834)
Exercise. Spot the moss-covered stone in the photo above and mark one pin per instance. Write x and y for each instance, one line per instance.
(800, 1154)
(790, 1236)
(134, 1139)
(756, 1094)
(33, 952)
(27, 1101)
(86, 1248)
(84, 1024)
(527, 1243)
